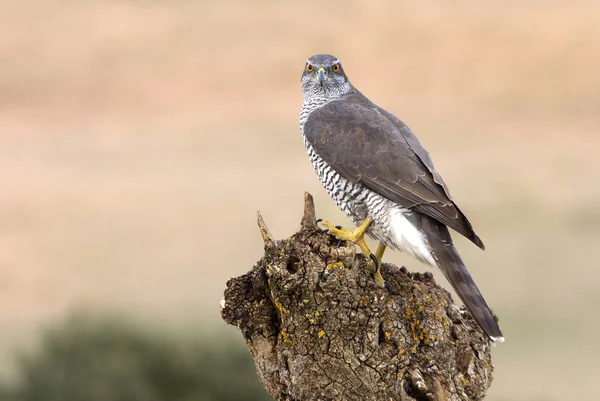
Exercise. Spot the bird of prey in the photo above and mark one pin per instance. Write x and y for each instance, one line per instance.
(383, 179)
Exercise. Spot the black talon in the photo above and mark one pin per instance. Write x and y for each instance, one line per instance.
(374, 259)
(339, 227)
(388, 286)
(339, 244)
(319, 220)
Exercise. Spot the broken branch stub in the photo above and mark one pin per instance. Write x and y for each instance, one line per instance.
(319, 328)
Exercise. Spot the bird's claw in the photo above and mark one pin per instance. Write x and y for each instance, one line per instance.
(379, 281)
(389, 287)
(375, 262)
(357, 237)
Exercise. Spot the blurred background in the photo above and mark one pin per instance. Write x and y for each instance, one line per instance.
(138, 139)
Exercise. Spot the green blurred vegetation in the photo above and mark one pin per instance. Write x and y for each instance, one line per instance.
(112, 359)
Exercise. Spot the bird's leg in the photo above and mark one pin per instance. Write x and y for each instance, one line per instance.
(379, 252)
(358, 237)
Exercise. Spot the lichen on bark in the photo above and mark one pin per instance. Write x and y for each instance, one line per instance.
(319, 328)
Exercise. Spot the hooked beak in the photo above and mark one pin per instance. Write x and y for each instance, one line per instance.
(321, 75)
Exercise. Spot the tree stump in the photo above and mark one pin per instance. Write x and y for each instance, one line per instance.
(319, 328)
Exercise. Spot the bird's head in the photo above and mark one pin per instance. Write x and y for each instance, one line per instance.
(324, 76)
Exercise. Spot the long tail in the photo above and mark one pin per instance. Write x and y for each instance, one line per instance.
(449, 262)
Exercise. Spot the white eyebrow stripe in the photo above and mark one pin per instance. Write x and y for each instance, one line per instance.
(337, 61)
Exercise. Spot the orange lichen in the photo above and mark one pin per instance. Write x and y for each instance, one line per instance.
(285, 336)
(335, 265)
(281, 309)
(413, 327)
(312, 318)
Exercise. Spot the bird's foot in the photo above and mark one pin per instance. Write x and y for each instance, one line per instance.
(340, 242)
(358, 237)
(343, 234)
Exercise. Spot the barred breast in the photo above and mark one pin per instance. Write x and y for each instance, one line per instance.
(356, 201)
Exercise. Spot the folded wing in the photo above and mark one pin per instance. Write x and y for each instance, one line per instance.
(368, 145)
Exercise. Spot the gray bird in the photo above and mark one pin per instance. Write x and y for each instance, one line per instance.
(381, 176)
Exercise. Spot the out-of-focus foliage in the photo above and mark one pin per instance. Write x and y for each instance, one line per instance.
(108, 359)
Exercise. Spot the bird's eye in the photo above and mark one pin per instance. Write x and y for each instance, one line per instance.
(335, 68)
(309, 68)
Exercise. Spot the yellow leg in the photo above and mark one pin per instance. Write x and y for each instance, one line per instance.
(380, 251)
(358, 237)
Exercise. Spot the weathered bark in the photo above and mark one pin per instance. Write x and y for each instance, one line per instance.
(319, 329)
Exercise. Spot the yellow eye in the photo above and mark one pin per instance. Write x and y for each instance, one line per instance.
(309, 68)
(335, 68)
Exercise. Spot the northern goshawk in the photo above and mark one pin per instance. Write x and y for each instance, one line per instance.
(381, 176)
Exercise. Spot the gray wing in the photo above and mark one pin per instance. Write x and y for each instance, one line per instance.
(365, 145)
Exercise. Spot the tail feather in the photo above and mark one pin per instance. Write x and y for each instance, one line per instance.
(457, 274)
(450, 263)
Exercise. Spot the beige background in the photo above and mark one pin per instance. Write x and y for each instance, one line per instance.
(138, 139)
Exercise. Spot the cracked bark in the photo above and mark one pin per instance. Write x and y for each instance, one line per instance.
(318, 328)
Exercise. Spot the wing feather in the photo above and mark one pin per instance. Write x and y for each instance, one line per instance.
(368, 145)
